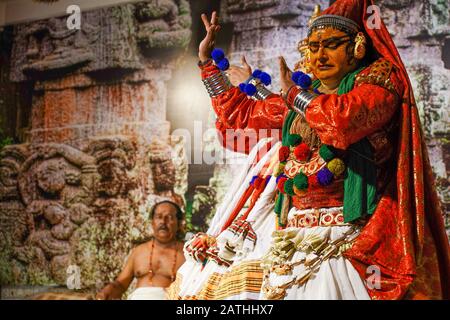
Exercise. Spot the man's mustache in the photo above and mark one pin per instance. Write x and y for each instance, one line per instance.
(163, 227)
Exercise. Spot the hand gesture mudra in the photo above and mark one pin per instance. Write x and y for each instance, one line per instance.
(207, 45)
(237, 74)
(285, 76)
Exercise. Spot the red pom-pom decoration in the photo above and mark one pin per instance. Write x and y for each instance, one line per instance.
(280, 184)
(283, 153)
(312, 181)
(302, 152)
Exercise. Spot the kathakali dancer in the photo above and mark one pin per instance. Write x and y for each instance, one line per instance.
(357, 214)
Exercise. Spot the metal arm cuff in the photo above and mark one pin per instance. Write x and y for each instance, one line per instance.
(262, 92)
(302, 100)
(217, 84)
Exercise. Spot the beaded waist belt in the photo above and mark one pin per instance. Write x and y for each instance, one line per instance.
(317, 218)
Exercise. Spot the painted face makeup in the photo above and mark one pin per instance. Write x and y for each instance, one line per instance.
(329, 57)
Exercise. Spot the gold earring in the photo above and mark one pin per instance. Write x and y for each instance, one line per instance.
(360, 46)
(307, 61)
(304, 64)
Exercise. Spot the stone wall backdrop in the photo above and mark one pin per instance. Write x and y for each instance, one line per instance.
(93, 149)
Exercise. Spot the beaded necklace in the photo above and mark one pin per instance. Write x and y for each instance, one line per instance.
(150, 271)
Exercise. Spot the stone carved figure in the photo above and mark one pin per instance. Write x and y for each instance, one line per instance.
(15, 223)
(47, 49)
(164, 171)
(56, 196)
(115, 158)
(104, 236)
(163, 24)
(52, 47)
(11, 158)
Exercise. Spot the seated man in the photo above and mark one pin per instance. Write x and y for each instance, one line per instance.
(154, 263)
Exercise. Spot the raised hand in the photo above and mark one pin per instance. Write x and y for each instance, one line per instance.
(207, 45)
(285, 76)
(238, 75)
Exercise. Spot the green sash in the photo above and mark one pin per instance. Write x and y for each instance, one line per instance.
(361, 172)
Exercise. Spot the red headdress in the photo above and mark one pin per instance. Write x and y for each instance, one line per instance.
(406, 236)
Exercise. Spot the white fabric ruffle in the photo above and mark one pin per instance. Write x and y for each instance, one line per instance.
(334, 279)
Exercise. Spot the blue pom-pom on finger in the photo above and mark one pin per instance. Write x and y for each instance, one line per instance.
(256, 73)
(242, 87)
(250, 89)
(296, 75)
(217, 55)
(224, 64)
(265, 78)
(304, 81)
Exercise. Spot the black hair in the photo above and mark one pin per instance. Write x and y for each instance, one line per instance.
(179, 213)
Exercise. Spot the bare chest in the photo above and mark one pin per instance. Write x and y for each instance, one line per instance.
(160, 262)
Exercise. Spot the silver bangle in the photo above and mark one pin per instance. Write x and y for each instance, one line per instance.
(302, 100)
(262, 92)
(216, 84)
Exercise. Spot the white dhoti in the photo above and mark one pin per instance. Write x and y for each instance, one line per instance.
(148, 293)
(306, 263)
